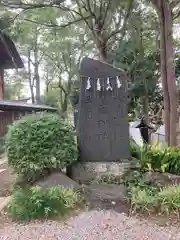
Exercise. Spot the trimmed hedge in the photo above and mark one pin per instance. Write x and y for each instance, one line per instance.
(40, 143)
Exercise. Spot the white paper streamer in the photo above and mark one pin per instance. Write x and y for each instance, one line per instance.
(88, 87)
(108, 85)
(98, 85)
(118, 82)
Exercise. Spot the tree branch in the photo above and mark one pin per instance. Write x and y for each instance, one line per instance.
(90, 10)
(28, 6)
(106, 11)
(55, 25)
(174, 3)
(156, 4)
(82, 15)
(176, 15)
(123, 29)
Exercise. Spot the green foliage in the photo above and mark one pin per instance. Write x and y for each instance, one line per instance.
(154, 158)
(141, 195)
(138, 56)
(147, 198)
(50, 99)
(165, 200)
(169, 198)
(133, 179)
(135, 149)
(14, 85)
(144, 200)
(36, 203)
(162, 160)
(40, 142)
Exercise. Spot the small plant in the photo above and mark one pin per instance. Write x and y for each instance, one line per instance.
(148, 199)
(144, 200)
(36, 203)
(170, 199)
(38, 144)
(155, 158)
(135, 149)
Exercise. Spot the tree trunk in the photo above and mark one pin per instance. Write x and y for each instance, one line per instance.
(36, 72)
(66, 97)
(167, 69)
(103, 56)
(64, 106)
(171, 77)
(145, 103)
(100, 43)
(1, 83)
(31, 82)
(164, 77)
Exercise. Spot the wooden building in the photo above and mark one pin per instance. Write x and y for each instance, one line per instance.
(9, 59)
(13, 110)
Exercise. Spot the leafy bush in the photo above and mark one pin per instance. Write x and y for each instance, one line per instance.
(143, 199)
(169, 198)
(36, 203)
(38, 143)
(149, 199)
(153, 158)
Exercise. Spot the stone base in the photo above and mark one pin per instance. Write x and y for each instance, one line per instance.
(87, 172)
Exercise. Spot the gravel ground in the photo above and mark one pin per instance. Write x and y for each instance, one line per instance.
(100, 225)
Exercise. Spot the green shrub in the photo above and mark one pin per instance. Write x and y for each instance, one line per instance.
(36, 203)
(144, 200)
(169, 198)
(38, 143)
(153, 158)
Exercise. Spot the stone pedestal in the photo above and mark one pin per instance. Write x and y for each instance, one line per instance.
(87, 172)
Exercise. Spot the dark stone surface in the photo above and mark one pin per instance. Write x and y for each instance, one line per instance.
(103, 118)
(58, 178)
(107, 196)
(111, 192)
(161, 179)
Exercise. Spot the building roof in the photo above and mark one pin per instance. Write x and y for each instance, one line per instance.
(9, 56)
(7, 105)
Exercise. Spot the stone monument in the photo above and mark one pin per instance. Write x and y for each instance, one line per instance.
(103, 130)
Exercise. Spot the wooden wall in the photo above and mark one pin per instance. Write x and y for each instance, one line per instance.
(6, 118)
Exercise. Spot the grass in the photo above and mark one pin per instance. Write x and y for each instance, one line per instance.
(165, 200)
(36, 203)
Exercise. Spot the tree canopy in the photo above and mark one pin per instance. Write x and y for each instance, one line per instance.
(53, 36)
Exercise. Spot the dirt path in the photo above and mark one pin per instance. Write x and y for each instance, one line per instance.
(7, 178)
(100, 225)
